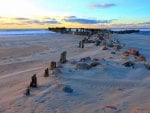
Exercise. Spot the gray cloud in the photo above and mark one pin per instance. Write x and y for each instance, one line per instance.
(20, 18)
(43, 22)
(102, 6)
(74, 19)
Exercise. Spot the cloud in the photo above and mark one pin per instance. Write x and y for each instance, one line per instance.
(20, 18)
(101, 6)
(74, 19)
(43, 22)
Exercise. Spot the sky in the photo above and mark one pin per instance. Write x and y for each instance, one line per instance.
(74, 13)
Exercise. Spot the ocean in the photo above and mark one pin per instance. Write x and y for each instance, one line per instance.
(23, 32)
(29, 32)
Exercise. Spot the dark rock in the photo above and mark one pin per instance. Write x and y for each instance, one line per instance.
(104, 48)
(83, 66)
(133, 52)
(67, 89)
(129, 64)
(94, 64)
(113, 52)
(85, 59)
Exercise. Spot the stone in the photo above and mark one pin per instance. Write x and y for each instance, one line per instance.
(133, 52)
(94, 64)
(67, 89)
(46, 73)
(129, 64)
(140, 58)
(85, 59)
(63, 57)
(33, 82)
(83, 66)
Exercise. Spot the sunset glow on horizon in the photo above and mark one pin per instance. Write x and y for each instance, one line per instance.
(69, 13)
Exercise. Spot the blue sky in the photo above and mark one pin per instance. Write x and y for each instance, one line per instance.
(93, 13)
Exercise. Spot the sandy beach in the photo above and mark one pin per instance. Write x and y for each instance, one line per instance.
(108, 87)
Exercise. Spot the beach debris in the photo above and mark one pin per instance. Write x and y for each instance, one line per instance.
(129, 64)
(140, 58)
(63, 57)
(52, 65)
(104, 48)
(110, 107)
(85, 59)
(46, 73)
(133, 52)
(27, 93)
(83, 66)
(33, 82)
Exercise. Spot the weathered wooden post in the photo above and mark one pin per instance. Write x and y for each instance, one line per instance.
(63, 57)
(33, 81)
(46, 73)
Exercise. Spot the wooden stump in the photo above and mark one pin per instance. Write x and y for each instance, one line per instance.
(33, 82)
(46, 73)
(63, 57)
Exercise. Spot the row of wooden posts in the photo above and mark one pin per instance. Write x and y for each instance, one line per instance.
(33, 83)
